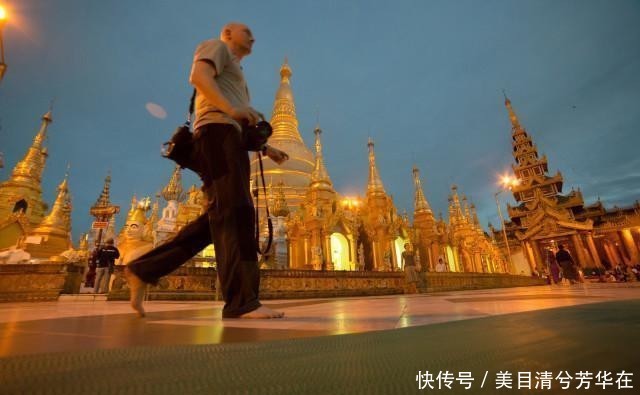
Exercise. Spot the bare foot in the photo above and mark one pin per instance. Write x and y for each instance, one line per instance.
(263, 312)
(137, 289)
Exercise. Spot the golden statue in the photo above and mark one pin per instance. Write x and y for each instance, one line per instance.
(135, 238)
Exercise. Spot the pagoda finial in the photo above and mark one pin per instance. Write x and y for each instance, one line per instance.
(515, 123)
(285, 71)
(283, 119)
(420, 202)
(319, 176)
(375, 183)
(173, 190)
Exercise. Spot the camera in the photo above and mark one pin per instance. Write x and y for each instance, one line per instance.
(255, 137)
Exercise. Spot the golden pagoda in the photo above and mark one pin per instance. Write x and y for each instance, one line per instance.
(380, 221)
(468, 248)
(295, 173)
(53, 235)
(426, 237)
(21, 204)
(311, 230)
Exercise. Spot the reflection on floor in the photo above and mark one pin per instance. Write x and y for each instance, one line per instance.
(28, 328)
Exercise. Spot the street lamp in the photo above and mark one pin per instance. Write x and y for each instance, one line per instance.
(507, 183)
(3, 20)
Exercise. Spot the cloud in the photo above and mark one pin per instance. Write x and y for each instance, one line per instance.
(156, 110)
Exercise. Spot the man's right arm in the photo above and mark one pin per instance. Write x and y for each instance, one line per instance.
(202, 78)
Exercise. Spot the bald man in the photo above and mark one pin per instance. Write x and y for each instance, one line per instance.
(222, 107)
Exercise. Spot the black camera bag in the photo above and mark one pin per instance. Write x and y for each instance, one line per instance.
(180, 147)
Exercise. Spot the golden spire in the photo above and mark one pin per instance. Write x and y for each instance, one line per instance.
(476, 221)
(455, 211)
(515, 123)
(319, 176)
(283, 119)
(174, 190)
(280, 208)
(420, 203)
(465, 206)
(58, 219)
(375, 183)
(29, 169)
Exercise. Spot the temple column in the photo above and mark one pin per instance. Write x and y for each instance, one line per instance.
(478, 263)
(535, 245)
(327, 253)
(394, 255)
(577, 244)
(614, 255)
(529, 254)
(306, 253)
(353, 253)
(374, 254)
(434, 254)
(630, 245)
(456, 259)
(292, 253)
(594, 251)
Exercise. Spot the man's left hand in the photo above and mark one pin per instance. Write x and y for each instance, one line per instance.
(276, 155)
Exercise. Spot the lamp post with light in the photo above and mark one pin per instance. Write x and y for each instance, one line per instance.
(507, 183)
(3, 19)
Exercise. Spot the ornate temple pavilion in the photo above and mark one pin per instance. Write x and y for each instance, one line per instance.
(545, 217)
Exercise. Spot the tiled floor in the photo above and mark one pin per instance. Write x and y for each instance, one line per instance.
(72, 325)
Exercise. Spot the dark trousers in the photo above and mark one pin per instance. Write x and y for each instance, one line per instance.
(228, 223)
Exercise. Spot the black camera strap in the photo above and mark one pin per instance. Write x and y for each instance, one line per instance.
(192, 107)
(266, 205)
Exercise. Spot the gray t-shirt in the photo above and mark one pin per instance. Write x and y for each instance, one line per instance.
(229, 78)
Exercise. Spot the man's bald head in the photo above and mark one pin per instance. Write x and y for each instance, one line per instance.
(238, 38)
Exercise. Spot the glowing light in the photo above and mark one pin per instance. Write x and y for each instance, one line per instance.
(351, 202)
(3, 14)
(509, 181)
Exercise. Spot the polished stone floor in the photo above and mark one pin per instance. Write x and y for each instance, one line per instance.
(88, 323)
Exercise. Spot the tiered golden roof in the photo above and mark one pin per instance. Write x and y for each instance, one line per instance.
(173, 190)
(103, 209)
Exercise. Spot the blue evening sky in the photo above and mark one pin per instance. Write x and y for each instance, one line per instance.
(423, 78)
